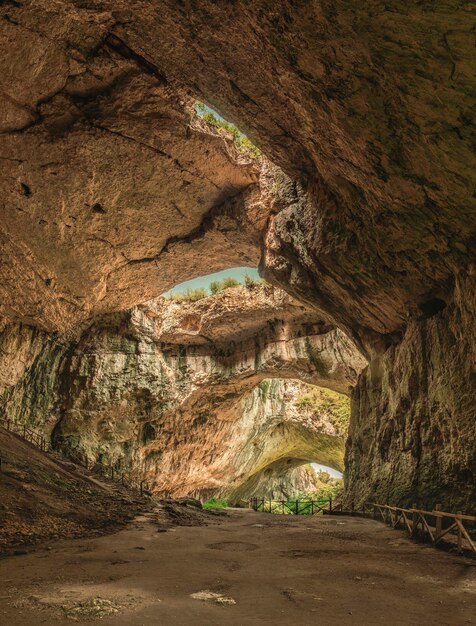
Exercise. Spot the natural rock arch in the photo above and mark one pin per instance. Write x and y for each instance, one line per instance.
(376, 222)
(139, 389)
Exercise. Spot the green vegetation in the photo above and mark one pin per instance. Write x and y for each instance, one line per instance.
(327, 487)
(300, 505)
(330, 404)
(264, 387)
(226, 283)
(192, 295)
(215, 503)
(242, 142)
(189, 295)
(251, 282)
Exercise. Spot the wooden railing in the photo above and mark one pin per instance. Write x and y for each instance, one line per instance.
(298, 506)
(108, 471)
(34, 437)
(433, 525)
(457, 529)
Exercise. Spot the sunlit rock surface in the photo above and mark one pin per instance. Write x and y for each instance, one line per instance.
(173, 390)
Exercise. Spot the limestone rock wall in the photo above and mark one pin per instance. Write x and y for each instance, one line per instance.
(31, 363)
(412, 436)
(237, 446)
(282, 480)
(280, 437)
(173, 391)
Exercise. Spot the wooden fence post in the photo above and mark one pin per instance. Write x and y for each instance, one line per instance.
(296, 507)
(438, 523)
(460, 537)
(414, 518)
(330, 505)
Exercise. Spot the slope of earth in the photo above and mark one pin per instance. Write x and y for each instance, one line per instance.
(43, 498)
(251, 568)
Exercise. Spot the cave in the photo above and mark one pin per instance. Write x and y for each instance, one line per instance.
(320, 152)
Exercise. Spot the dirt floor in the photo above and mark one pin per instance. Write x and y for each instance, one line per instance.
(245, 568)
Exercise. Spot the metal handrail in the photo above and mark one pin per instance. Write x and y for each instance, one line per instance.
(292, 506)
(40, 441)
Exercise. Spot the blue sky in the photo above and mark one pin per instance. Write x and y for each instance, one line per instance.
(204, 281)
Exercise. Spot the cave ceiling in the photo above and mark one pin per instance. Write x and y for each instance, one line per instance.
(110, 194)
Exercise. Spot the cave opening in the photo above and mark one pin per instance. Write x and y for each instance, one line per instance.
(209, 284)
(147, 366)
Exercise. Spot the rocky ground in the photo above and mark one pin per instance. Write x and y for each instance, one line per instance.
(244, 568)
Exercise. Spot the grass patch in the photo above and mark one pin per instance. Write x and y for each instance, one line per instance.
(215, 503)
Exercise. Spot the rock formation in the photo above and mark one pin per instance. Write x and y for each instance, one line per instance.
(111, 193)
(181, 393)
(412, 431)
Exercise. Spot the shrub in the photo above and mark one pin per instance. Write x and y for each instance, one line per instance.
(229, 282)
(215, 286)
(226, 283)
(250, 281)
(189, 295)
